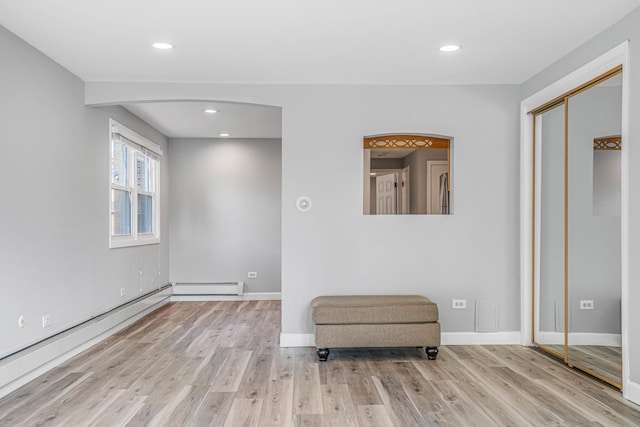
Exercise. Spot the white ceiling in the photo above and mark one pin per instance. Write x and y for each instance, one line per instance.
(294, 41)
(187, 119)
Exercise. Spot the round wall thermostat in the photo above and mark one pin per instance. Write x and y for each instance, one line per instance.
(303, 203)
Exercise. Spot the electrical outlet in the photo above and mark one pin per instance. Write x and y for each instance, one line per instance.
(587, 304)
(458, 304)
(46, 320)
(123, 292)
(252, 275)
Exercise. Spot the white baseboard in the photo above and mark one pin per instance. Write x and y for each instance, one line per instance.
(297, 340)
(631, 391)
(447, 338)
(248, 296)
(583, 338)
(19, 370)
(580, 338)
(480, 338)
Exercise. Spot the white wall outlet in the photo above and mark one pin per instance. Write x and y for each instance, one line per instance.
(252, 275)
(21, 322)
(46, 320)
(123, 292)
(587, 304)
(458, 304)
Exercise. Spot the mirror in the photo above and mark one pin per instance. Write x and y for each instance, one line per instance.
(549, 301)
(594, 229)
(407, 174)
(577, 227)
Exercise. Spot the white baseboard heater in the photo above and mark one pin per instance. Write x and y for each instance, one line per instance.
(210, 288)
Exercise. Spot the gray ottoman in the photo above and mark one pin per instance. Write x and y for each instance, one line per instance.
(375, 321)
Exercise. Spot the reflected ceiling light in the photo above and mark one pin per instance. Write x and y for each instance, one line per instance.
(211, 110)
(225, 134)
(162, 45)
(450, 48)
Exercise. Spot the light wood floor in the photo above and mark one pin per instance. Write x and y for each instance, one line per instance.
(219, 364)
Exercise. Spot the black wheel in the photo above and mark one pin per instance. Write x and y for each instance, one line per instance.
(432, 353)
(323, 354)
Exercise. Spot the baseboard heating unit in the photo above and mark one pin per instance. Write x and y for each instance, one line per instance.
(210, 288)
(26, 364)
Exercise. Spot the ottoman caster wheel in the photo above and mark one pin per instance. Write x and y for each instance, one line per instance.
(432, 353)
(323, 354)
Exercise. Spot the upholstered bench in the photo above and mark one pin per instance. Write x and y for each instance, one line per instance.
(375, 321)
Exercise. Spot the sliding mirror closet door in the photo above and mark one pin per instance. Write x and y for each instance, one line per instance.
(577, 269)
(549, 284)
(594, 118)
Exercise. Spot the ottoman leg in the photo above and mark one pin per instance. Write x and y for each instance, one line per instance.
(323, 354)
(432, 353)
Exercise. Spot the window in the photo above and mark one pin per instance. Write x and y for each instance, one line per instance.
(134, 209)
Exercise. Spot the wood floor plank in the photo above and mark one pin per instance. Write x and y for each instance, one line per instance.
(41, 402)
(402, 410)
(244, 412)
(231, 373)
(339, 410)
(374, 416)
(308, 420)
(121, 411)
(256, 378)
(214, 409)
(211, 363)
(307, 392)
(278, 404)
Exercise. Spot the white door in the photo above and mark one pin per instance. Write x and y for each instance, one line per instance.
(404, 193)
(435, 169)
(386, 194)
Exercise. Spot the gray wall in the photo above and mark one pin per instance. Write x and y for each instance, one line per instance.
(226, 211)
(627, 29)
(54, 222)
(334, 248)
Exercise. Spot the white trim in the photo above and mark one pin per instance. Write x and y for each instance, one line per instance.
(580, 338)
(120, 129)
(297, 340)
(619, 55)
(248, 296)
(480, 338)
(17, 372)
(136, 144)
(631, 391)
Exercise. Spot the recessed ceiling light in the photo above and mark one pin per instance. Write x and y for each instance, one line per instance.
(162, 45)
(450, 48)
(211, 110)
(225, 134)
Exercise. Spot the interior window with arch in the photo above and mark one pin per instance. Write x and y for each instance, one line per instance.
(407, 174)
(134, 209)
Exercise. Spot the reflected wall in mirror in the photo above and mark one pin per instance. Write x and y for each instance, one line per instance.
(407, 174)
(594, 229)
(577, 236)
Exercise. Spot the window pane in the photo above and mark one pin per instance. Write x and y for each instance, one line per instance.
(119, 162)
(120, 213)
(145, 214)
(143, 172)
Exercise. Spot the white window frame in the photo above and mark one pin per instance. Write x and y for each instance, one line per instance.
(136, 145)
